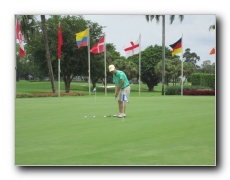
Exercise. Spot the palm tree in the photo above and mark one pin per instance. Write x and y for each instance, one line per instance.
(27, 23)
(157, 17)
(44, 30)
(212, 27)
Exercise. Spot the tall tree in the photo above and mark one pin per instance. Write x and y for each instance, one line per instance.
(150, 57)
(157, 17)
(44, 30)
(74, 60)
(191, 57)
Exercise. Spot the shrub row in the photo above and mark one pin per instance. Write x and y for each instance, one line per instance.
(176, 90)
(203, 79)
(49, 94)
(200, 92)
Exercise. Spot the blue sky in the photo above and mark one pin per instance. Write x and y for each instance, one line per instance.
(121, 29)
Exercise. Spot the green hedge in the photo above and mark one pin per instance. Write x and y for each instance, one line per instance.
(202, 79)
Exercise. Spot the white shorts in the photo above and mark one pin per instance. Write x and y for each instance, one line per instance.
(125, 91)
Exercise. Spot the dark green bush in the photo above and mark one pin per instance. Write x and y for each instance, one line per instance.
(203, 79)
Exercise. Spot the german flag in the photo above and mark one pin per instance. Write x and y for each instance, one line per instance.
(176, 47)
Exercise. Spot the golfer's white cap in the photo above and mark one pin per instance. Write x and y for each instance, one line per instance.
(111, 68)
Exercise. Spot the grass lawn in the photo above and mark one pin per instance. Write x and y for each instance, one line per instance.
(158, 130)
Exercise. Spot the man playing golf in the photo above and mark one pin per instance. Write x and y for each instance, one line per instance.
(122, 88)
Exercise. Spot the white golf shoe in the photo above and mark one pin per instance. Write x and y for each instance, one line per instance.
(121, 115)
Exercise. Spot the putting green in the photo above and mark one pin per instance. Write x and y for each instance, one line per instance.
(168, 130)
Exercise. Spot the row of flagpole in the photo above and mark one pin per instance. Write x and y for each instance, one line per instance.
(100, 47)
(133, 47)
(130, 50)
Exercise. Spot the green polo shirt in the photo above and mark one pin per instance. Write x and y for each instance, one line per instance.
(118, 76)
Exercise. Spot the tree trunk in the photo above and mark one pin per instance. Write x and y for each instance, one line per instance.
(67, 83)
(43, 19)
(150, 86)
(163, 53)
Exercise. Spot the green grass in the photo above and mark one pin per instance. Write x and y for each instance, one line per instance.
(158, 130)
(27, 87)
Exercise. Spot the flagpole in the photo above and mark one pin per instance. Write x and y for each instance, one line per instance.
(182, 65)
(105, 66)
(89, 59)
(59, 71)
(139, 64)
(15, 55)
(59, 77)
(123, 110)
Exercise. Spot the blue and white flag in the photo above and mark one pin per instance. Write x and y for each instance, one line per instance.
(95, 89)
(124, 98)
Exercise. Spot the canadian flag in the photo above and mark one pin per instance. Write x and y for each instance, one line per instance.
(99, 47)
(132, 48)
(19, 38)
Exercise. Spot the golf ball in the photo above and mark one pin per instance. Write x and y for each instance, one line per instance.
(104, 116)
(94, 116)
(85, 116)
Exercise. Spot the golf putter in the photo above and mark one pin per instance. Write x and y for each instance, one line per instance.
(114, 106)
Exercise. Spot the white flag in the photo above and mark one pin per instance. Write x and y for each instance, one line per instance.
(124, 98)
(132, 48)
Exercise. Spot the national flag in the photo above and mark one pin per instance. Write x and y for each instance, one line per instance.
(132, 48)
(82, 38)
(213, 51)
(124, 98)
(60, 41)
(99, 47)
(19, 38)
(176, 47)
(95, 89)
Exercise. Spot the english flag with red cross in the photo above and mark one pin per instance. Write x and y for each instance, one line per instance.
(132, 48)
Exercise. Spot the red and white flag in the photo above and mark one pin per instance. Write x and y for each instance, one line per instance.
(19, 38)
(99, 47)
(132, 48)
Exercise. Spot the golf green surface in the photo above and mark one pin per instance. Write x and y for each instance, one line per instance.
(158, 131)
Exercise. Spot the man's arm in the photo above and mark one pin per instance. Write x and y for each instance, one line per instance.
(118, 88)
